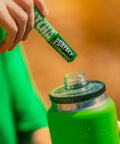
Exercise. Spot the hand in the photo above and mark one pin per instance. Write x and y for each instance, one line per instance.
(17, 19)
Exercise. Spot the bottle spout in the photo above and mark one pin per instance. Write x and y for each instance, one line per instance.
(75, 80)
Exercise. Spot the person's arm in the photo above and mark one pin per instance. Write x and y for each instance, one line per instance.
(29, 110)
(44, 133)
(119, 125)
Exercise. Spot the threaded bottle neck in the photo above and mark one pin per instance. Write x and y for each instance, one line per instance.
(75, 80)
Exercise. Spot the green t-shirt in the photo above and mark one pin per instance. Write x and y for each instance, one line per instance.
(21, 111)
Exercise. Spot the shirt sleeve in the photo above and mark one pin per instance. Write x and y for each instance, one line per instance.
(29, 109)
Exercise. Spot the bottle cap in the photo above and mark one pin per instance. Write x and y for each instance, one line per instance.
(76, 88)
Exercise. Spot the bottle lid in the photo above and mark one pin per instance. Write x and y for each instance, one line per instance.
(76, 88)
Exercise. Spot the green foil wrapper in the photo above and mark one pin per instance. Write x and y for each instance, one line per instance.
(52, 37)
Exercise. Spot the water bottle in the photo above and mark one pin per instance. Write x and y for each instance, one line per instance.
(81, 113)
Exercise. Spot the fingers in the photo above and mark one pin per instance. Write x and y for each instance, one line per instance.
(18, 20)
(30, 25)
(8, 24)
(28, 7)
(21, 19)
(41, 6)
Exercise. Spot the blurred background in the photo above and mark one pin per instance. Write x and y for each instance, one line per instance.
(92, 29)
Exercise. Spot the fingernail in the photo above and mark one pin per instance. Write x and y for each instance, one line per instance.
(45, 12)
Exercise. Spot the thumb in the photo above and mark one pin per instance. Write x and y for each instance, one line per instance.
(41, 6)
